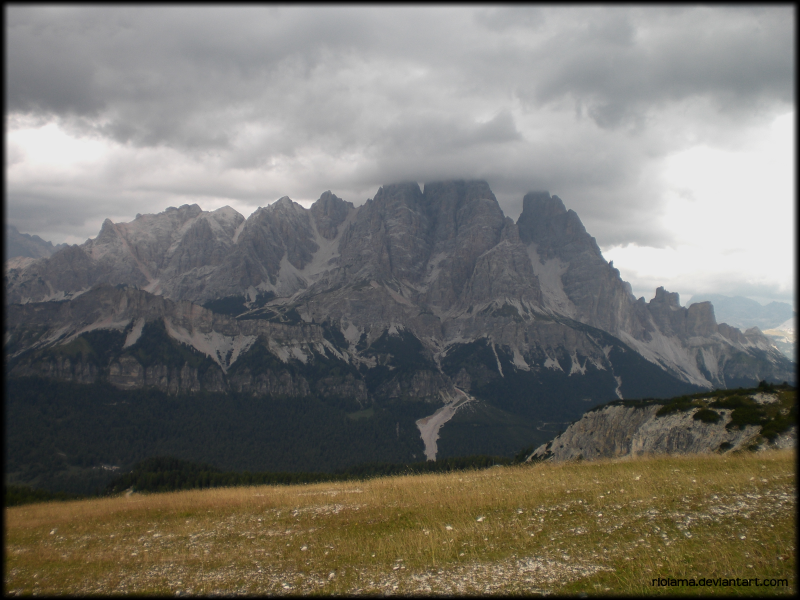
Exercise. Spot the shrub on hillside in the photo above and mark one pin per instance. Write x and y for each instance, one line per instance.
(707, 416)
(681, 404)
(745, 415)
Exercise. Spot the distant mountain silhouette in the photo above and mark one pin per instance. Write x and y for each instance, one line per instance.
(28, 246)
(745, 313)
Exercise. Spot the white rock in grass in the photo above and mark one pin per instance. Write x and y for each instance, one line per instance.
(479, 519)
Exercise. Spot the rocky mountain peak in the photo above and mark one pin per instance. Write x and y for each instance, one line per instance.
(389, 237)
(284, 201)
(107, 233)
(183, 213)
(457, 204)
(281, 229)
(673, 319)
(284, 205)
(26, 245)
(700, 320)
(329, 212)
(543, 205)
(398, 197)
(666, 298)
(556, 231)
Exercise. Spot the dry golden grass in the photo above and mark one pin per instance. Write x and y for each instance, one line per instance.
(606, 527)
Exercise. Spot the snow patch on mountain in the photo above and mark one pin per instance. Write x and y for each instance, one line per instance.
(154, 287)
(397, 297)
(434, 267)
(326, 257)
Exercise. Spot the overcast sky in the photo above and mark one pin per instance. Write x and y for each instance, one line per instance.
(669, 130)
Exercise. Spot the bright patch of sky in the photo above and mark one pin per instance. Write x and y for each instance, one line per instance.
(718, 201)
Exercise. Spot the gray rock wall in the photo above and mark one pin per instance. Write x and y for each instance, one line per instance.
(616, 431)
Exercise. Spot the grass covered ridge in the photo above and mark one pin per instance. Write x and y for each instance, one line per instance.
(606, 527)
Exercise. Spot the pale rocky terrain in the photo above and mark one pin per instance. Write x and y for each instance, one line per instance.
(617, 431)
(429, 426)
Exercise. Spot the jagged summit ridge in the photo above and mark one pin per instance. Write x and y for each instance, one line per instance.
(442, 263)
(23, 245)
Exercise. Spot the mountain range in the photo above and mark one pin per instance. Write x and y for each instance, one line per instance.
(496, 332)
(24, 245)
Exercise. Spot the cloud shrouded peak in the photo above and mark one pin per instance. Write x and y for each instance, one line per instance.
(116, 110)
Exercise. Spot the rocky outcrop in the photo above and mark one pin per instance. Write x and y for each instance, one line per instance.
(619, 430)
(674, 320)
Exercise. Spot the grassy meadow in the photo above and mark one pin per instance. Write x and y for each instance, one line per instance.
(605, 527)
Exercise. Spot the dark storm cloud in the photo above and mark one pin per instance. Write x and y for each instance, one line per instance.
(185, 75)
(619, 63)
(579, 100)
(176, 76)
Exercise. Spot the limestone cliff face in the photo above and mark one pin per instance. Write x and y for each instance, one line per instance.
(45, 340)
(329, 212)
(421, 258)
(618, 430)
(591, 290)
(577, 281)
(674, 320)
(422, 385)
(442, 263)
